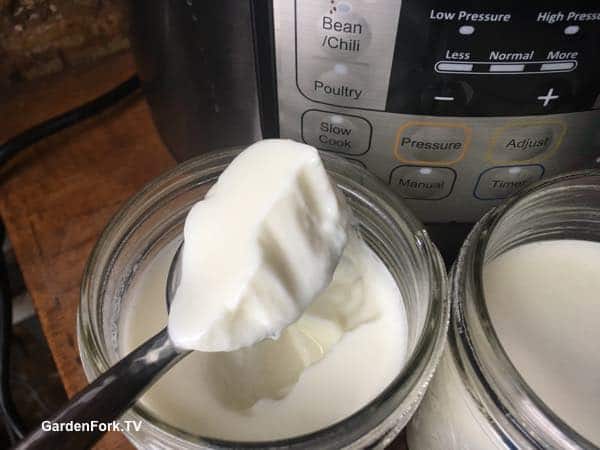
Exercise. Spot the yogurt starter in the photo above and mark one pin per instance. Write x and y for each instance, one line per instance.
(297, 322)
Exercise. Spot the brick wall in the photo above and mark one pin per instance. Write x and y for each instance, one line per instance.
(41, 37)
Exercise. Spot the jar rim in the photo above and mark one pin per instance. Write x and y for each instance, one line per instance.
(418, 368)
(484, 365)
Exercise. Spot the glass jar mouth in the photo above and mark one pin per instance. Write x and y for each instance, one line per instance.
(357, 184)
(490, 377)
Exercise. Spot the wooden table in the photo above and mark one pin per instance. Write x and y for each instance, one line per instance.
(56, 197)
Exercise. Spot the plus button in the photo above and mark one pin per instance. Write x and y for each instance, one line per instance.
(548, 97)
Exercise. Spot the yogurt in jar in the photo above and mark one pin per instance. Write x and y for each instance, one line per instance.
(543, 299)
(340, 349)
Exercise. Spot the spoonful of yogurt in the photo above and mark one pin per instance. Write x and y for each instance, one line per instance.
(258, 249)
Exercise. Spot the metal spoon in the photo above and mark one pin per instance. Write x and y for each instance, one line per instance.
(115, 391)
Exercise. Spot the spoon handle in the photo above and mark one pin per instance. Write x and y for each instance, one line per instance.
(107, 397)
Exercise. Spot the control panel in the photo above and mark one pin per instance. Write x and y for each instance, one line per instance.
(509, 58)
(457, 105)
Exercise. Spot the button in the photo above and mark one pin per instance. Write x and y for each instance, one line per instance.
(501, 182)
(553, 95)
(341, 133)
(341, 84)
(548, 97)
(423, 183)
(525, 141)
(432, 142)
(343, 32)
(446, 98)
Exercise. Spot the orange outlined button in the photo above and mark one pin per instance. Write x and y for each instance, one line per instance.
(432, 142)
(525, 142)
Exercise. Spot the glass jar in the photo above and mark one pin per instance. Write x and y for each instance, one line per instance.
(155, 217)
(477, 399)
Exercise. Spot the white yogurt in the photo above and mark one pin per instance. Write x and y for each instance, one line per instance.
(258, 248)
(448, 417)
(544, 302)
(347, 347)
(269, 253)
